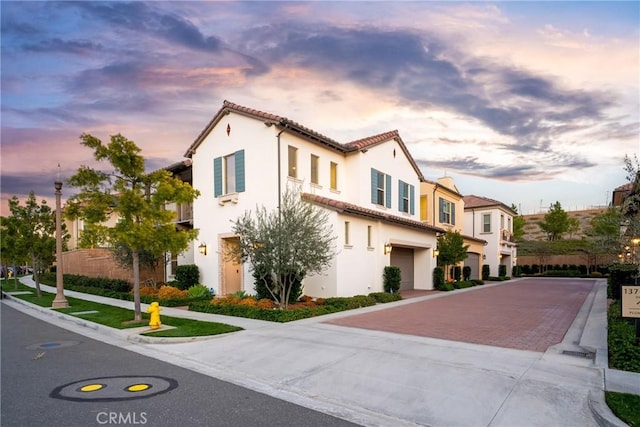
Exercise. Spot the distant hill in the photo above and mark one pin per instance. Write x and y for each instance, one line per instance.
(532, 230)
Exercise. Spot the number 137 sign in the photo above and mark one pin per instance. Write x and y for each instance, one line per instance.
(631, 301)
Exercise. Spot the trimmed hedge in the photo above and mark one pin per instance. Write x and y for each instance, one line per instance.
(331, 305)
(620, 274)
(384, 297)
(624, 347)
(187, 276)
(391, 278)
(114, 285)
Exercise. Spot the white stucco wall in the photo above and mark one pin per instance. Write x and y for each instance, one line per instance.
(357, 268)
(473, 226)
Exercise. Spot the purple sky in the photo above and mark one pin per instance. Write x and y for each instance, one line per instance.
(525, 102)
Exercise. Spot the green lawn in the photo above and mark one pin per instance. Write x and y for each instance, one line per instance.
(625, 406)
(122, 318)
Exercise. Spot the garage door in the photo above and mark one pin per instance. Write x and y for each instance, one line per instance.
(473, 262)
(403, 258)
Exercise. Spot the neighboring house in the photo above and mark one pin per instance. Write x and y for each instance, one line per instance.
(620, 193)
(442, 205)
(492, 221)
(184, 219)
(246, 158)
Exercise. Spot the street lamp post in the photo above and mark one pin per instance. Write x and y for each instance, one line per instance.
(59, 301)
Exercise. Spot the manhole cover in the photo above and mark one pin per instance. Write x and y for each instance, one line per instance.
(52, 344)
(109, 389)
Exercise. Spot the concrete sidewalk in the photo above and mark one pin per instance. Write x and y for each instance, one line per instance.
(386, 379)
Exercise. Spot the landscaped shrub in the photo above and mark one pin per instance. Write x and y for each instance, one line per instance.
(486, 271)
(391, 278)
(516, 271)
(624, 347)
(383, 297)
(463, 284)
(502, 270)
(498, 278)
(447, 287)
(169, 292)
(457, 273)
(466, 272)
(187, 276)
(349, 303)
(438, 278)
(198, 291)
(114, 285)
(478, 282)
(620, 274)
(562, 273)
(148, 291)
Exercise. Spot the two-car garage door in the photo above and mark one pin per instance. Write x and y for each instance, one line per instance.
(403, 258)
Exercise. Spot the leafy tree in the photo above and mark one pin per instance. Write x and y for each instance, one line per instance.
(136, 198)
(452, 249)
(573, 226)
(518, 224)
(33, 230)
(10, 246)
(556, 222)
(285, 245)
(603, 236)
(631, 205)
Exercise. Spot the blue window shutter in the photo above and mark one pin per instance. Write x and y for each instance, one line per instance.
(441, 209)
(412, 203)
(400, 194)
(453, 214)
(239, 155)
(217, 176)
(387, 189)
(374, 186)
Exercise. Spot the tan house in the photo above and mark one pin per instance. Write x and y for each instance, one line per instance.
(442, 205)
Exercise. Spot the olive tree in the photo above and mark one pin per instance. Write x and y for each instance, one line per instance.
(284, 245)
(136, 198)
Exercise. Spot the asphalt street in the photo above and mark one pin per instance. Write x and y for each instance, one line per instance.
(55, 377)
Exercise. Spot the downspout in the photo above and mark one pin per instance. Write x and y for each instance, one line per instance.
(279, 169)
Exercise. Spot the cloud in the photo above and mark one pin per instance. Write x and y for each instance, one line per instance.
(140, 17)
(57, 45)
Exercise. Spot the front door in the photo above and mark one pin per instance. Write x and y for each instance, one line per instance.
(231, 280)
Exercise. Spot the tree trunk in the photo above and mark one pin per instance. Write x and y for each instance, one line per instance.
(36, 278)
(136, 285)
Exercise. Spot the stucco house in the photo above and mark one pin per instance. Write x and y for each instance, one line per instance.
(442, 205)
(492, 221)
(371, 188)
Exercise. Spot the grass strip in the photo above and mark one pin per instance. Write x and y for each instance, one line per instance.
(121, 318)
(625, 406)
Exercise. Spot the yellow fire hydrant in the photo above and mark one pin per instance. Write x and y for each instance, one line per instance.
(154, 309)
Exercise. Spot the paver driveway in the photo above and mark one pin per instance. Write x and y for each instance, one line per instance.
(528, 314)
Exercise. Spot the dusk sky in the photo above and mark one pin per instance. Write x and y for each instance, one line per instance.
(524, 102)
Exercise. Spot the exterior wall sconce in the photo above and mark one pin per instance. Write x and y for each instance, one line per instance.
(203, 248)
(484, 256)
(387, 248)
(436, 252)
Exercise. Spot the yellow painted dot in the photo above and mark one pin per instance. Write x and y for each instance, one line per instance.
(138, 387)
(91, 387)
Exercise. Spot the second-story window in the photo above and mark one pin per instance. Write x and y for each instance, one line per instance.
(346, 233)
(228, 174)
(380, 188)
(406, 194)
(486, 223)
(293, 162)
(447, 212)
(333, 172)
(314, 168)
(423, 209)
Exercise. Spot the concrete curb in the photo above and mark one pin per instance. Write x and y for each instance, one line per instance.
(601, 411)
(121, 334)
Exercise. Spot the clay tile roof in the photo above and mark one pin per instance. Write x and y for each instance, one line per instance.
(472, 201)
(352, 209)
(359, 144)
(625, 187)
